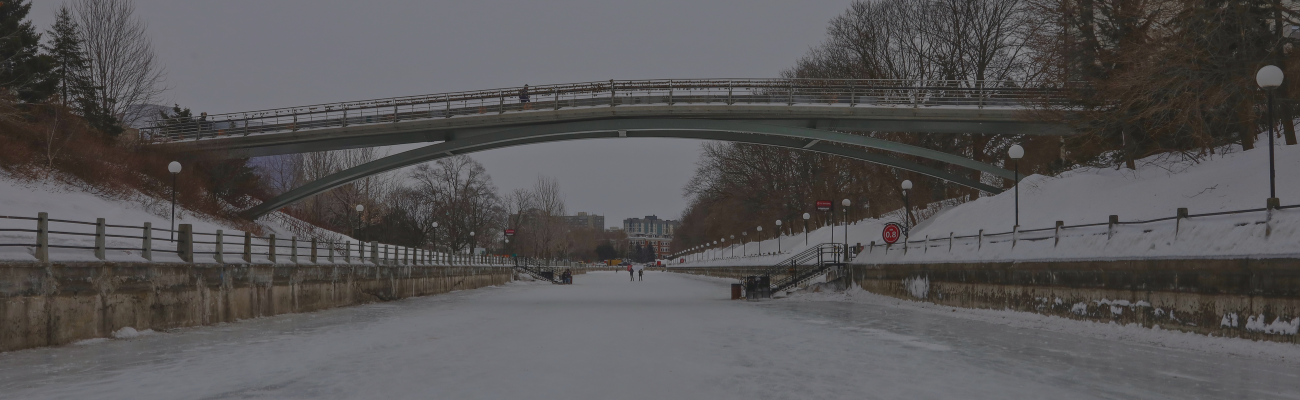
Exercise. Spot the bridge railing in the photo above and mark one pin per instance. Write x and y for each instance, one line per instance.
(772, 92)
(34, 238)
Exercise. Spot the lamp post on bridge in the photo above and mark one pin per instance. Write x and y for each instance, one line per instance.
(1269, 78)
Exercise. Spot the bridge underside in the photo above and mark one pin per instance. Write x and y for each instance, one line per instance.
(785, 136)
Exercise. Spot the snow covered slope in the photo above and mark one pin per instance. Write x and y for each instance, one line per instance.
(1228, 182)
(66, 202)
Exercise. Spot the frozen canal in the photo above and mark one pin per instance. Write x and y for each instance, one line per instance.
(669, 337)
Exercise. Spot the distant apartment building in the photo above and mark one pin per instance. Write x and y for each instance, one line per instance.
(651, 231)
(584, 220)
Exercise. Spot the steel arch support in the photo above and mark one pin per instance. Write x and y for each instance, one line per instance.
(517, 138)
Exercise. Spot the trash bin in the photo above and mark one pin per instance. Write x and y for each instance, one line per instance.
(735, 291)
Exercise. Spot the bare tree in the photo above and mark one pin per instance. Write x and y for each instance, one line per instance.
(123, 69)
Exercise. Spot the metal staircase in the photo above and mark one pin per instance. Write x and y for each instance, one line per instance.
(537, 269)
(803, 267)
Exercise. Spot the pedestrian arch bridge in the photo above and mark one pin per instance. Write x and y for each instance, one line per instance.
(807, 114)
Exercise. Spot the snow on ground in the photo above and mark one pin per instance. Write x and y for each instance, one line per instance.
(66, 202)
(1226, 182)
(670, 336)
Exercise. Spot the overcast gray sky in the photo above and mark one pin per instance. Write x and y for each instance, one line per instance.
(236, 55)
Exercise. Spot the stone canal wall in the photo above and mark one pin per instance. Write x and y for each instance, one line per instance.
(59, 303)
(1249, 298)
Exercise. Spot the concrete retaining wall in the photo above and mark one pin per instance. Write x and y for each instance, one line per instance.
(53, 304)
(1250, 298)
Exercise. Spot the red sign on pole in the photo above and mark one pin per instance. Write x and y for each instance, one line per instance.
(823, 205)
(510, 232)
(891, 233)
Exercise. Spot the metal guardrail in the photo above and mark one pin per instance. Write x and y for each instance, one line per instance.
(1056, 233)
(777, 92)
(214, 245)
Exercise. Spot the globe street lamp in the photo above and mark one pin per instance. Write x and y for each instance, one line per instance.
(175, 168)
(760, 240)
(744, 251)
(805, 228)
(1016, 152)
(845, 211)
(435, 240)
(471, 245)
(907, 209)
(778, 236)
(733, 247)
(1269, 78)
(357, 226)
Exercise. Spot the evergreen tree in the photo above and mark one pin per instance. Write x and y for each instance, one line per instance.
(69, 60)
(23, 71)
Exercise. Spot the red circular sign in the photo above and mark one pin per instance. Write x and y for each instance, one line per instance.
(891, 233)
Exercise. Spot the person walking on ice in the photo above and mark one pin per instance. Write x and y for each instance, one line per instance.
(630, 276)
(640, 274)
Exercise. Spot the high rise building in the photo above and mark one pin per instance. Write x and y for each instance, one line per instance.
(584, 220)
(651, 231)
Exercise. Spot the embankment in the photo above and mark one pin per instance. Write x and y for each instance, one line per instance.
(59, 303)
(1249, 298)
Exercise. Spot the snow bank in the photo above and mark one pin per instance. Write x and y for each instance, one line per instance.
(1235, 181)
(66, 202)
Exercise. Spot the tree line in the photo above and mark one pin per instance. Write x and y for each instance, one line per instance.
(1155, 81)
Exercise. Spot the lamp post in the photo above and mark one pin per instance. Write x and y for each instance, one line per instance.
(778, 236)
(733, 247)
(907, 209)
(471, 245)
(1016, 153)
(805, 228)
(744, 251)
(760, 240)
(435, 240)
(1269, 78)
(175, 168)
(845, 211)
(357, 226)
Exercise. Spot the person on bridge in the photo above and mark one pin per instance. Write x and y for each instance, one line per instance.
(523, 94)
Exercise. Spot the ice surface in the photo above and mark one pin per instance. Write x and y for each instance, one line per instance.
(669, 337)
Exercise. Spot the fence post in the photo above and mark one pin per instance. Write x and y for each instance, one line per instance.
(1178, 223)
(949, 242)
(926, 249)
(313, 251)
(873, 247)
(146, 247)
(293, 249)
(248, 247)
(980, 244)
(329, 249)
(99, 239)
(1057, 234)
(220, 258)
(1271, 204)
(43, 237)
(1110, 226)
(612, 93)
(347, 251)
(270, 248)
(374, 253)
(1015, 235)
(185, 242)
